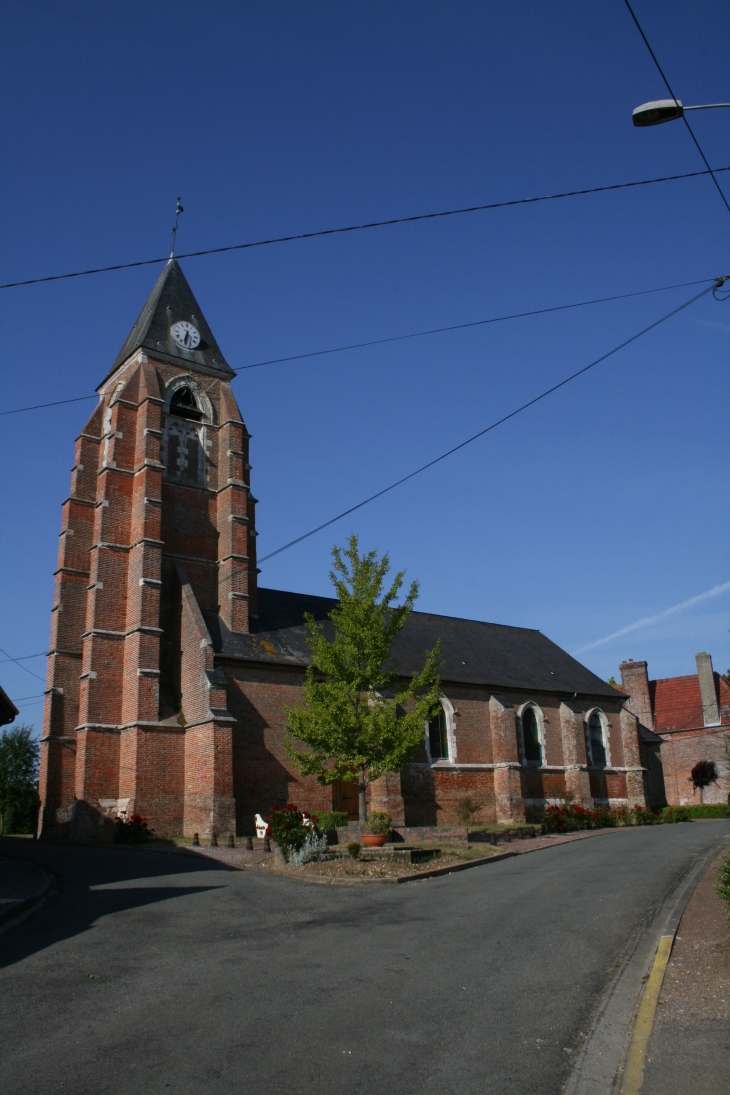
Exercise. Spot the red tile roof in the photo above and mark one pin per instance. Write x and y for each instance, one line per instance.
(677, 704)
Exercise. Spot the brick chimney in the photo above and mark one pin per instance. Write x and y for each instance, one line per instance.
(708, 692)
(635, 680)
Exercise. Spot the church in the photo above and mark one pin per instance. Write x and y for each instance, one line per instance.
(171, 672)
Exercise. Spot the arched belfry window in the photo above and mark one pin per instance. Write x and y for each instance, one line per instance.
(184, 437)
(597, 740)
(183, 405)
(531, 744)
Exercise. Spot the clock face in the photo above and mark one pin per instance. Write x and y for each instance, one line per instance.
(185, 334)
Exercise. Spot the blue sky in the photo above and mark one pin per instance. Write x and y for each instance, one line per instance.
(603, 505)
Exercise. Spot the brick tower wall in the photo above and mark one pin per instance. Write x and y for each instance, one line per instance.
(126, 727)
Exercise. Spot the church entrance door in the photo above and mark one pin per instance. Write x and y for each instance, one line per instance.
(344, 798)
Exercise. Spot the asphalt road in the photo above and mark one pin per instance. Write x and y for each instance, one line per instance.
(151, 972)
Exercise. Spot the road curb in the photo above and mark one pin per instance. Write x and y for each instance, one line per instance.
(610, 1053)
(633, 1076)
(14, 909)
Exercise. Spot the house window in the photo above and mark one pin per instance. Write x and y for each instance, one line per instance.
(438, 737)
(531, 737)
(597, 740)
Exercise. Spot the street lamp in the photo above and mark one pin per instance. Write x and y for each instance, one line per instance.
(666, 110)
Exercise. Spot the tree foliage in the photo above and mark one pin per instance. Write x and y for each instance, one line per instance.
(359, 717)
(18, 779)
(704, 773)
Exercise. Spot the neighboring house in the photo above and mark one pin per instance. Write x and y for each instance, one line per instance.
(172, 673)
(691, 716)
(8, 710)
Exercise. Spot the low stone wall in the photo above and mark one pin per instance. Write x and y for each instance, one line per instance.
(406, 834)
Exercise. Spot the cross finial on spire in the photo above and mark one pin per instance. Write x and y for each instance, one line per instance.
(178, 210)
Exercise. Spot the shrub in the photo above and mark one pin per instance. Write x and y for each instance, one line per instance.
(566, 819)
(21, 812)
(723, 882)
(314, 844)
(379, 823)
(642, 815)
(466, 809)
(354, 849)
(672, 814)
(330, 820)
(132, 830)
(605, 818)
(703, 774)
(289, 827)
(708, 809)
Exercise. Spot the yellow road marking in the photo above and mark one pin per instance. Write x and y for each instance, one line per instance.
(634, 1071)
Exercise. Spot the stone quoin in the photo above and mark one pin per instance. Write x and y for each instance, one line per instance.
(170, 672)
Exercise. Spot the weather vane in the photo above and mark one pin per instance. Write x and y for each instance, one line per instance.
(178, 210)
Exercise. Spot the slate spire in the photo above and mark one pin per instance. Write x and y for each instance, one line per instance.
(170, 302)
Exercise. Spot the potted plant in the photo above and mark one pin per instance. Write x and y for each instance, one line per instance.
(378, 830)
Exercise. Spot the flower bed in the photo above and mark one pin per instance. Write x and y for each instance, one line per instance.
(569, 819)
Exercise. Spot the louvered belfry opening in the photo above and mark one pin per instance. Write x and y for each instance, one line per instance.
(183, 405)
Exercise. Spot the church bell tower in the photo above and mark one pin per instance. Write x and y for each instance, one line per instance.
(158, 530)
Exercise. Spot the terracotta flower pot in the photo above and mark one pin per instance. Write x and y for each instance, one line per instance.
(374, 840)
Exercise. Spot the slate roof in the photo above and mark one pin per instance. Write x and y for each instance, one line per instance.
(677, 702)
(473, 652)
(171, 300)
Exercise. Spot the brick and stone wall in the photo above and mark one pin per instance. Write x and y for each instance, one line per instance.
(131, 725)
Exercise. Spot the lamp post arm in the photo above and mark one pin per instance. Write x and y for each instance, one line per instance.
(706, 106)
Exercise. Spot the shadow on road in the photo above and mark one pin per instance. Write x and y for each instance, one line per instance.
(77, 902)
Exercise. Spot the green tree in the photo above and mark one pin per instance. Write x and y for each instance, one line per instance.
(359, 717)
(18, 779)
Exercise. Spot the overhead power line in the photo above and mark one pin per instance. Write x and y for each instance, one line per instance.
(473, 323)
(414, 334)
(25, 658)
(25, 667)
(684, 116)
(493, 426)
(361, 227)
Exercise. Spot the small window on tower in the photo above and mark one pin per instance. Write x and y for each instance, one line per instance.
(183, 405)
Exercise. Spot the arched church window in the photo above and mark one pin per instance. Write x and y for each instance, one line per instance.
(183, 405)
(531, 744)
(438, 736)
(597, 740)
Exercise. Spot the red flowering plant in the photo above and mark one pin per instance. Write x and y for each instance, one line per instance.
(569, 818)
(289, 826)
(132, 830)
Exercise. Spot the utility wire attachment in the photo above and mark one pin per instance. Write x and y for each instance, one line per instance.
(718, 290)
(178, 210)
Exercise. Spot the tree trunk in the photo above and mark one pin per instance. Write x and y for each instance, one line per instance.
(702, 796)
(361, 797)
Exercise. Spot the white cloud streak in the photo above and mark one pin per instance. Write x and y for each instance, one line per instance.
(716, 591)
